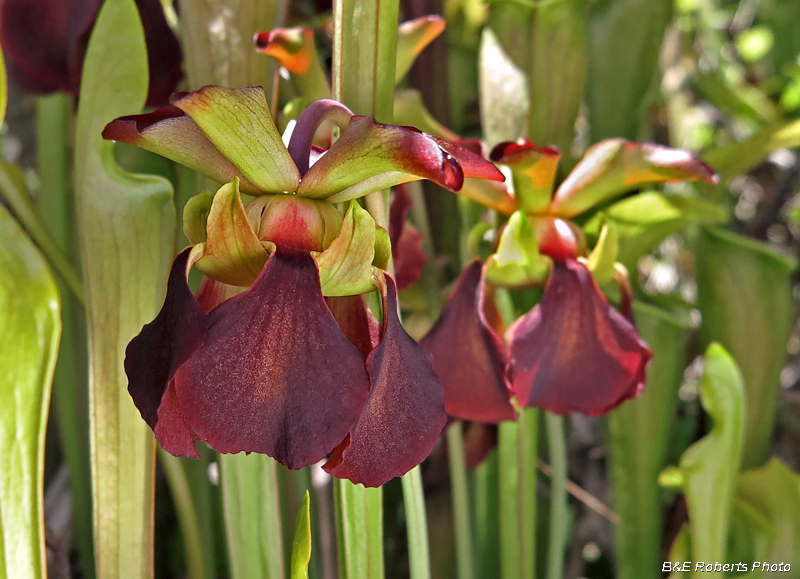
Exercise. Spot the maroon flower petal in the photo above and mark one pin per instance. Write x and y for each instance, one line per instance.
(480, 439)
(356, 322)
(46, 41)
(468, 356)
(275, 374)
(154, 356)
(404, 413)
(409, 258)
(573, 352)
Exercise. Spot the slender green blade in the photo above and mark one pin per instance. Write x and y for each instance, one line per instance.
(638, 432)
(744, 295)
(126, 225)
(29, 334)
(624, 43)
(252, 516)
(710, 466)
(508, 452)
(359, 526)
(414, 504)
(301, 549)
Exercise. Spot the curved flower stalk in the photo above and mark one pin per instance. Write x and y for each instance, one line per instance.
(45, 41)
(294, 366)
(573, 352)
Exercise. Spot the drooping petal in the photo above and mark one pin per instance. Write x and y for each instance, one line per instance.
(409, 258)
(479, 440)
(404, 413)
(573, 352)
(238, 123)
(275, 374)
(468, 356)
(370, 156)
(356, 321)
(154, 356)
(614, 166)
(171, 133)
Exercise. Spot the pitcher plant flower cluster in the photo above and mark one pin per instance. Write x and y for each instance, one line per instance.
(573, 352)
(277, 351)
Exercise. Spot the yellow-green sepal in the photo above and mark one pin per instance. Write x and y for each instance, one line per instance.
(233, 254)
(604, 255)
(195, 217)
(517, 261)
(345, 267)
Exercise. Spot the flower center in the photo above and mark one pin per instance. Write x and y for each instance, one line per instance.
(294, 222)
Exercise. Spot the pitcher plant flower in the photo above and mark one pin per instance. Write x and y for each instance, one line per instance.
(277, 352)
(45, 42)
(573, 352)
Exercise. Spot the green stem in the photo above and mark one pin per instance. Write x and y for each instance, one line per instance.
(359, 526)
(187, 515)
(554, 425)
(414, 503)
(252, 516)
(508, 453)
(528, 442)
(460, 498)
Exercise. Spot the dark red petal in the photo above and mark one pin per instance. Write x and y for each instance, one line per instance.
(275, 374)
(154, 356)
(37, 36)
(164, 57)
(404, 413)
(356, 322)
(173, 433)
(46, 40)
(573, 352)
(409, 257)
(212, 293)
(479, 440)
(468, 356)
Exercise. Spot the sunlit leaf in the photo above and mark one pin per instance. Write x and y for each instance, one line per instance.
(412, 38)
(301, 548)
(710, 466)
(504, 93)
(744, 295)
(126, 225)
(29, 335)
(625, 38)
(638, 433)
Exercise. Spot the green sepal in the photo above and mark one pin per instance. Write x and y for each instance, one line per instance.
(195, 217)
(383, 248)
(517, 261)
(345, 267)
(534, 173)
(645, 220)
(233, 255)
(604, 255)
(614, 166)
(301, 547)
(412, 38)
(238, 123)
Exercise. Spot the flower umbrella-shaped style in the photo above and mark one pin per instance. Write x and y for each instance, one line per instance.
(295, 366)
(572, 352)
